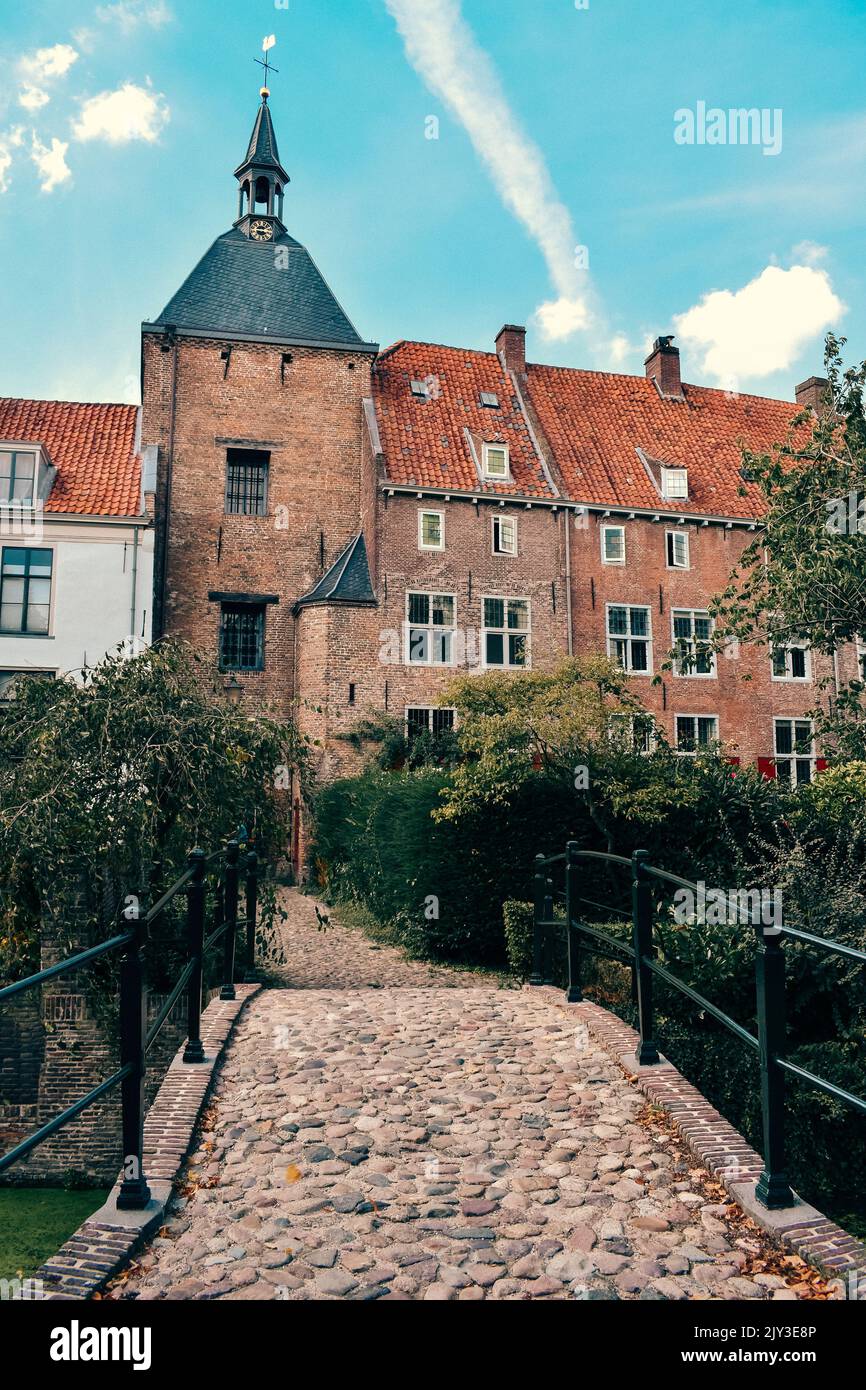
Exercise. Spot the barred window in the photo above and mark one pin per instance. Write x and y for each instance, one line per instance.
(242, 632)
(696, 732)
(426, 720)
(247, 482)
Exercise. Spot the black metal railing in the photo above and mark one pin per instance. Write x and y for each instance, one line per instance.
(773, 1189)
(136, 1038)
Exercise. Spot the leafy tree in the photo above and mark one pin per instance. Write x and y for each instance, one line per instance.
(803, 577)
(107, 784)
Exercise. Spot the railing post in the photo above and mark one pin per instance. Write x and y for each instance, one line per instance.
(773, 1190)
(252, 897)
(134, 1192)
(547, 935)
(537, 916)
(195, 894)
(231, 918)
(573, 994)
(642, 933)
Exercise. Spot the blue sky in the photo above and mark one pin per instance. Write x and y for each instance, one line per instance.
(121, 123)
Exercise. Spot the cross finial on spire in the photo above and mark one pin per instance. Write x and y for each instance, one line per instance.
(267, 44)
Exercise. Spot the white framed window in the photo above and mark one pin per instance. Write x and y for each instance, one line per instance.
(613, 545)
(430, 623)
(794, 748)
(677, 547)
(692, 631)
(696, 733)
(629, 637)
(506, 632)
(495, 461)
(861, 658)
(431, 530)
(25, 589)
(791, 663)
(504, 535)
(675, 483)
(634, 732)
(18, 476)
(428, 719)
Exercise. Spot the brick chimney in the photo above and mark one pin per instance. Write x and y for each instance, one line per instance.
(511, 348)
(663, 367)
(815, 393)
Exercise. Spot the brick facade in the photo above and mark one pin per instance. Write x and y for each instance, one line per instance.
(359, 442)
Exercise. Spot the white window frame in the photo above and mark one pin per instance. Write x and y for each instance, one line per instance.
(628, 721)
(496, 524)
(691, 674)
(861, 658)
(24, 504)
(793, 757)
(430, 710)
(668, 475)
(486, 449)
(430, 628)
(693, 752)
(671, 538)
(507, 632)
(614, 637)
(605, 558)
(430, 511)
(787, 649)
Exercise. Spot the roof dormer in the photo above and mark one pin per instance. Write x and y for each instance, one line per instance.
(670, 480)
(26, 473)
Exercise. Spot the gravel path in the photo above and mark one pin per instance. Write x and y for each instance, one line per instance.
(417, 1142)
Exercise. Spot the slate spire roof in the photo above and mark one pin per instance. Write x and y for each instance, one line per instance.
(240, 290)
(347, 581)
(260, 291)
(262, 150)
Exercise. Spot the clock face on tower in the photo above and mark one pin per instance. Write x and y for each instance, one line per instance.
(261, 230)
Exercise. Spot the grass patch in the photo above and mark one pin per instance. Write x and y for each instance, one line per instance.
(35, 1221)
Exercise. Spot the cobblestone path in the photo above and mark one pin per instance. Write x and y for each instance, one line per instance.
(412, 1141)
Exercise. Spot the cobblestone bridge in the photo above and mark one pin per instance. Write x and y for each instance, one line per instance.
(385, 1129)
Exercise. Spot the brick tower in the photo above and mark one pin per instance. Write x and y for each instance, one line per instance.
(254, 382)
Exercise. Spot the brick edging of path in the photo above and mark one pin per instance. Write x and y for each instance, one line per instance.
(718, 1146)
(106, 1241)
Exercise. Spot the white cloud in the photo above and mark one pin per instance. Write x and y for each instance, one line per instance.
(763, 327)
(31, 98)
(443, 50)
(129, 113)
(129, 14)
(5, 165)
(48, 62)
(10, 140)
(51, 162)
(41, 68)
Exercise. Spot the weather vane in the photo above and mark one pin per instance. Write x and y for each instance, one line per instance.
(267, 45)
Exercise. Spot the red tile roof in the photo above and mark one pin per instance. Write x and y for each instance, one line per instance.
(92, 447)
(593, 422)
(424, 441)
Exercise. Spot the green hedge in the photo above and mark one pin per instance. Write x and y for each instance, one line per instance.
(440, 885)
